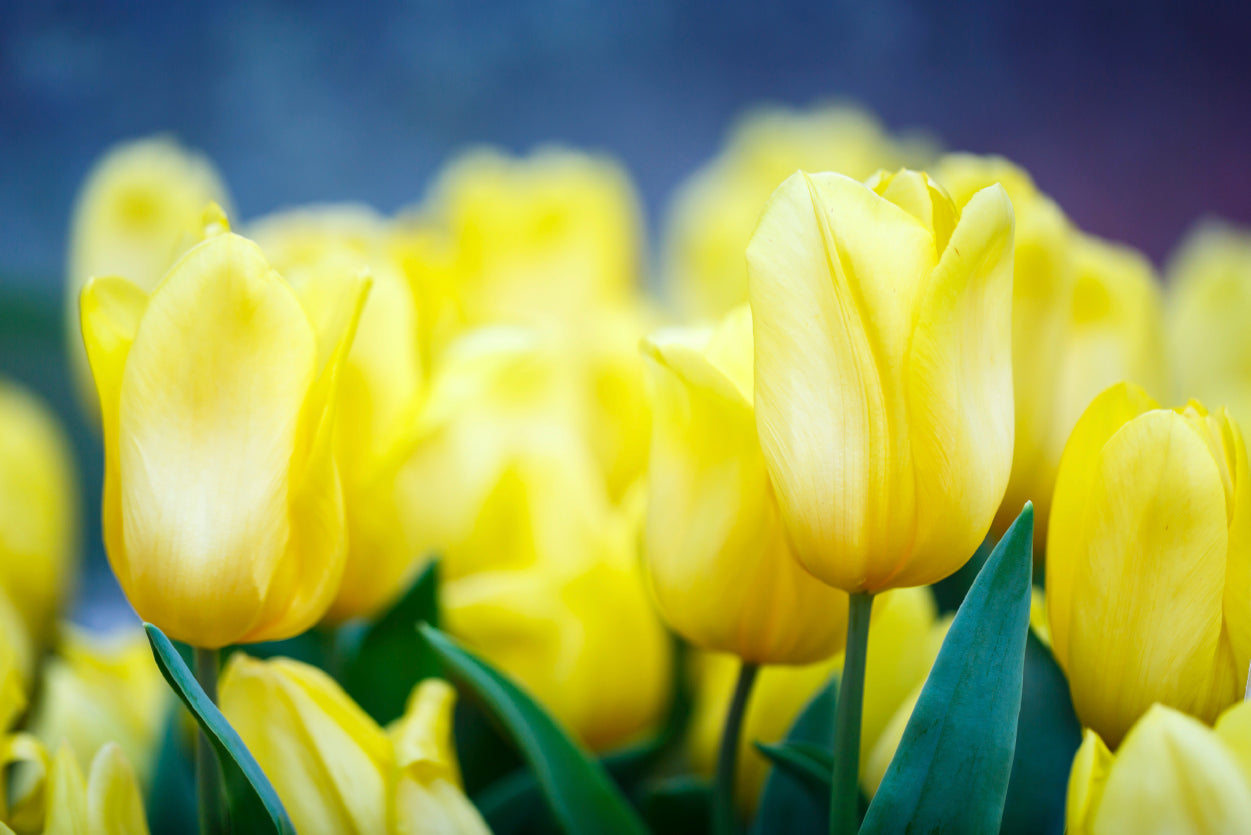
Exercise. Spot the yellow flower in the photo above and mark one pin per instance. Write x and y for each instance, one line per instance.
(717, 558)
(106, 802)
(334, 768)
(903, 643)
(715, 210)
(223, 514)
(38, 511)
(883, 372)
(381, 387)
(1209, 301)
(101, 689)
(138, 210)
(1149, 562)
(1171, 774)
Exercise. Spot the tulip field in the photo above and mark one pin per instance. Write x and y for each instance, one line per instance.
(871, 495)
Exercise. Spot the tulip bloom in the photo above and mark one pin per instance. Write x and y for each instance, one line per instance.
(1171, 774)
(333, 768)
(223, 514)
(883, 372)
(38, 511)
(107, 801)
(1149, 563)
(717, 558)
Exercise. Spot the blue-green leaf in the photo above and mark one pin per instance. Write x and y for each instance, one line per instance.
(254, 805)
(951, 770)
(786, 806)
(391, 658)
(808, 765)
(578, 790)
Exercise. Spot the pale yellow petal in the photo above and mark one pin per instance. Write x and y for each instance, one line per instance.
(1087, 778)
(66, 795)
(1234, 729)
(114, 804)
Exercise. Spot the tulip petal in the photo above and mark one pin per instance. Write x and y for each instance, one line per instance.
(1238, 565)
(114, 805)
(66, 796)
(1086, 781)
(1234, 729)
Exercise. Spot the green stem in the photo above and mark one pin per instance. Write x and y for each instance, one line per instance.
(723, 822)
(207, 774)
(845, 788)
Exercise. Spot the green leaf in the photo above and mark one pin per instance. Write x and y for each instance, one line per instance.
(951, 770)
(1047, 738)
(785, 805)
(680, 805)
(254, 805)
(170, 799)
(391, 658)
(809, 765)
(578, 790)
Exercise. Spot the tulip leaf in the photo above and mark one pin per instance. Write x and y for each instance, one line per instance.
(390, 658)
(951, 770)
(580, 793)
(785, 805)
(254, 805)
(680, 805)
(809, 765)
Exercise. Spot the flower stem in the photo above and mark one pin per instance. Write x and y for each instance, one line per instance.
(207, 774)
(845, 787)
(723, 822)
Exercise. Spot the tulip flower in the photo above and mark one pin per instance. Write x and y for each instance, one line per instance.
(334, 768)
(1209, 289)
(38, 511)
(1149, 565)
(717, 557)
(1171, 774)
(715, 210)
(223, 512)
(381, 389)
(137, 211)
(883, 372)
(106, 802)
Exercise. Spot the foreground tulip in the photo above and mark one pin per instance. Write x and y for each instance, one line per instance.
(717, 556)
(883, 372)
(38, 511)
(1171, 774)
(1209, 301)
(1149, 563)
(223, 514)
(335, 770)
(138, 210)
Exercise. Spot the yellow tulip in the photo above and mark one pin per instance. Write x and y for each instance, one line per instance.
(381, 388)
(102, 689)
(334, 768)
(1149, 562)
(903, 643)
(1209, 283)
(106, 802)
(1171, 774)
(38, 511)
(883, 372)
(717, 558)
(223, 513)
(715, 210)
(138, 210)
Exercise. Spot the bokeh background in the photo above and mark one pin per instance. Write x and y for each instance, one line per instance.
(1136, 116)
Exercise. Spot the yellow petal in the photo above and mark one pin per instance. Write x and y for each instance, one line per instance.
(1234, 729)
(1087, 778)
(66, 797)
(436, 807)
(423, 735)
(114, 804)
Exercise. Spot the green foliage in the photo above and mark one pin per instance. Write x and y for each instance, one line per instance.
(785, 805)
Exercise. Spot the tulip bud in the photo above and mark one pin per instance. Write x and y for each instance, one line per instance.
(223, 514)
(883, 372)
(1171, 774)
(717, 557)
(107, 802)
(138, 210)
(38, 511)
(1149, 563)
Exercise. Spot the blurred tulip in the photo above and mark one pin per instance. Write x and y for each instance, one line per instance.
(715, 210)
(333, 768)
(883, 372)
(380, 385)
(223, 512)
(137, 211)
(1149, 567)
(1209, 303)
(39, 513)
(903, 643)
(716, 554)
(1171, 774)
(107, 802)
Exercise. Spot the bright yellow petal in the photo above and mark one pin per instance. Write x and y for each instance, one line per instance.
(114, 804)
(423, 735)
(1087, 778)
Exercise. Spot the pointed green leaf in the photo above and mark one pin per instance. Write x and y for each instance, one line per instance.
(579, 792)
(391, 658)
(951, 770)
(786, 806)
(254, 805)
(809, 766)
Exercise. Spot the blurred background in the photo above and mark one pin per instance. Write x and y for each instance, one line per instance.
(1136, 117)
